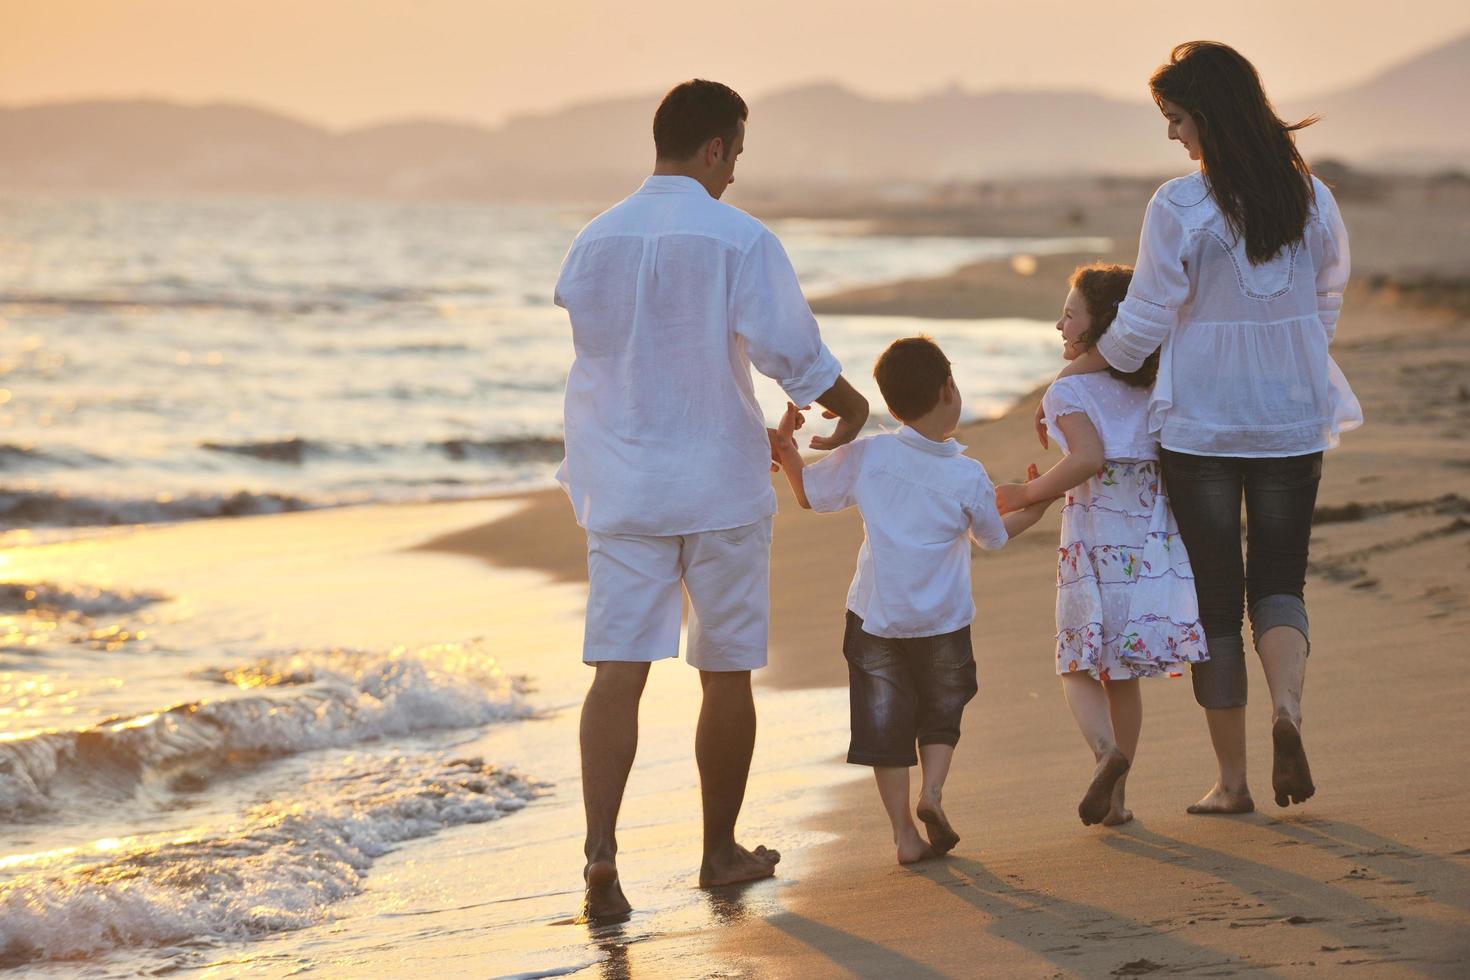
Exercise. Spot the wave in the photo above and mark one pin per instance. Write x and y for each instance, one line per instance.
(13, 456)
(281, 869)
(55, 509)
(172, 293)
(296, 450)
(337, 698)
(73, 600)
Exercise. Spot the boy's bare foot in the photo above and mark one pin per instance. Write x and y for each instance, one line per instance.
(1117, 815)
(912, 849)
(1099, 797)
(942, 837)
(1221, 800)
(736, 864)
(1291, 777)
(604, 900)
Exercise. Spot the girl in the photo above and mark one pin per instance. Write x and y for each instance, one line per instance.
(1126, 606)
(1240, 276)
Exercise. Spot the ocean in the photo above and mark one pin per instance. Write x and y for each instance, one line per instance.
(213, 733)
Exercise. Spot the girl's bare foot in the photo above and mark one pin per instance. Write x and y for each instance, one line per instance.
(736, 864)
(1222, 800)
(942, 837)
(1291, 777)
(1098, 799)
(604, 900)
(1117, 815)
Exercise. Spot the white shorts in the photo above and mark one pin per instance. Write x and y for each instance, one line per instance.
(635, 600)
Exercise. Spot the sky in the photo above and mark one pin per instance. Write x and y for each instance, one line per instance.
(346, 63)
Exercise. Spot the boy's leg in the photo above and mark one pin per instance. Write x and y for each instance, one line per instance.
(893, 788)
(1089, 704)
(1125, 708)
(944, 670)
(609, 738)
(723, 745)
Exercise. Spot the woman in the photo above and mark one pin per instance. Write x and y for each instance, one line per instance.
(1239, 279)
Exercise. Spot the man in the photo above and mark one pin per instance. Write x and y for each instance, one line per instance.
(672, 296)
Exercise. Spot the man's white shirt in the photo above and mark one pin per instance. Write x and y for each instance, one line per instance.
(672, 297)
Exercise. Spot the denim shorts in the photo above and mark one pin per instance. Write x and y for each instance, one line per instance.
(905, 691)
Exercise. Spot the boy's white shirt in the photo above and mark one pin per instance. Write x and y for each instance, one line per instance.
(922, 501)
(673, 296)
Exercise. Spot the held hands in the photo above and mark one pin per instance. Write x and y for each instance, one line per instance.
(846, 431)
(783, 438)
(1017, 496)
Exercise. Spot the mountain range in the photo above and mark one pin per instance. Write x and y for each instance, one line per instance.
(1412, 117)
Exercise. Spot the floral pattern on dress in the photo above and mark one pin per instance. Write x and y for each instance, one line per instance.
(1126, 605)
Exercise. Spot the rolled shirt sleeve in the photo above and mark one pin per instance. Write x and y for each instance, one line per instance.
(831, 482)
(1333, 259)
(1159, 288)
(774, 319)
(986, 526)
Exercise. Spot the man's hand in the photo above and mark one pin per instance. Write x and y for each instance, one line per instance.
(842, 402)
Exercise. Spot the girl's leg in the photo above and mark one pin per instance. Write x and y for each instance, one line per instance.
(1089, 704)
(1125, 707)
(893, 788)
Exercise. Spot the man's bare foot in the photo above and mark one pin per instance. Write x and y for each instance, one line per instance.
(1117, 815)
(1099, 797)
(604, 900)
(942, 837)
(1221, 800)
(735, 864)
(1291, 777)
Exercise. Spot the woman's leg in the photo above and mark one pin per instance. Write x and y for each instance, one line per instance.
(1280, 497)
(1125, 708)
(1205, 493)
(1089, 704)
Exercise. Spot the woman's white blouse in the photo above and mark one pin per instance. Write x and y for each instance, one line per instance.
(1244, 368)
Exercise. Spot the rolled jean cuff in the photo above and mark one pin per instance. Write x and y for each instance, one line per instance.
(1220, 682)
(939, 738)
(880, 761)
(1282, 609)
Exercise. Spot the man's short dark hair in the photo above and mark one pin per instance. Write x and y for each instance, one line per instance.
(694, 113)
(911, 373)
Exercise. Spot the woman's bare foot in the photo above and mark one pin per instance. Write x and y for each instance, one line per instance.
(604, 900)
(942, 837)
(1222, 800)
(735, 864)
(1291, 777)
(1099, 797)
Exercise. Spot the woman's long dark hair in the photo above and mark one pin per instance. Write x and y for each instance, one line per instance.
(1260, 181)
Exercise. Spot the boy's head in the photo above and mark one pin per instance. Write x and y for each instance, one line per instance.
(915, 379)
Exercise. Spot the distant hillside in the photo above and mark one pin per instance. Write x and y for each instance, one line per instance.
(1413, 116)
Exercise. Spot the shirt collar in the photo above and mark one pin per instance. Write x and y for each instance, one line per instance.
(911, 437)
(671, 184)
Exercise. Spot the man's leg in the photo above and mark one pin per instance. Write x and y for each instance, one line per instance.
(609, 742)
(723, 746)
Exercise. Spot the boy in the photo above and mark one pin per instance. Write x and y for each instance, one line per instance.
(907, 643)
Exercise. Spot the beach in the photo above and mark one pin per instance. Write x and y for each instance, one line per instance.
(470, 866)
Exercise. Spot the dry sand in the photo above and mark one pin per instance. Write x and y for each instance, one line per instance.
(1374, 872)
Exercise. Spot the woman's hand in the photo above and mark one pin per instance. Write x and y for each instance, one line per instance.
(1040, 423)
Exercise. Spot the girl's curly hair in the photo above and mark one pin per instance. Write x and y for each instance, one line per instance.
(1103, 288)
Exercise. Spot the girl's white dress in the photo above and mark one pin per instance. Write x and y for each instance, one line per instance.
(1126, 605)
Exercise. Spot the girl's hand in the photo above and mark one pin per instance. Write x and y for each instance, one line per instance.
(1012, 496)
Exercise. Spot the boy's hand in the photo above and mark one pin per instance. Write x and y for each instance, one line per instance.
(783, 438)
